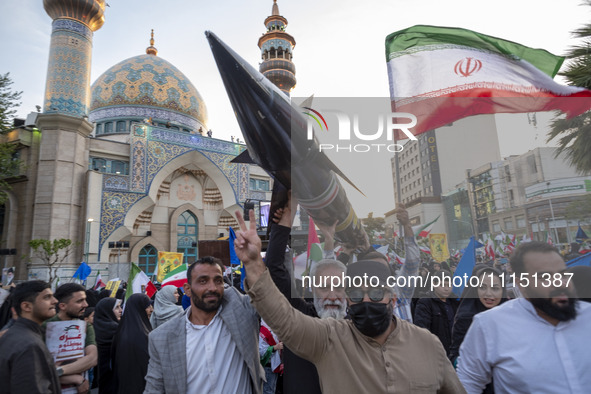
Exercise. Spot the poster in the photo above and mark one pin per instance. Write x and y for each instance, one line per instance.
(65, 339)
(167, 262)
(438, 246)
(7, 275)
(113, 286)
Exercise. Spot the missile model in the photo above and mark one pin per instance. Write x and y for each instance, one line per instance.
(275, 133)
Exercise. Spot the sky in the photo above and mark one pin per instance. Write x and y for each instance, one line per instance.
(339, 44)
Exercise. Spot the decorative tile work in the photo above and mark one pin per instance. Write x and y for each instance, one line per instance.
(148, 80)
(72, 26)
(114, 207)
(195, 141)
(144, 112)
(138, 166)
(115, 183)
(276, 43)
(68, 74)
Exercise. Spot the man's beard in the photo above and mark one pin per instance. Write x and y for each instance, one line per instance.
(561, 313)
(75, 316)
(324, 312)
(204, 306)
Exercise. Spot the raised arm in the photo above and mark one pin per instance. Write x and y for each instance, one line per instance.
(306, 336)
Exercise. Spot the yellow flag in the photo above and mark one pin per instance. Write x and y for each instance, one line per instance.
(438, 246)
(167, 262)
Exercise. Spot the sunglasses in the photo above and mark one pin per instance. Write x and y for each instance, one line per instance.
(375, 294)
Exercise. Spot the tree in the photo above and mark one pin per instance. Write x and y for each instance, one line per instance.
(574, 135)
(9, 100)
(373, 226)
(580, 209)
(9, 166)
(52, 253)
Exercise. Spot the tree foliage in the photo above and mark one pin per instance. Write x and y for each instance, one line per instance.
(574, 135)
(373, 227)
(580, 209)
(9, 166)
(52, 253)
(9, 101)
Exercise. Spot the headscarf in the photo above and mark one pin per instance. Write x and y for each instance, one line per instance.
(165, 307)
(105, 321)
(129, 352)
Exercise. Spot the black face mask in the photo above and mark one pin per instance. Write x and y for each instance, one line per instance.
(371, 318)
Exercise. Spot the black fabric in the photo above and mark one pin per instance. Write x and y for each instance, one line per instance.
(299, 376)
(129, 352)
(26, 366)
(105, 327)
(431, 314)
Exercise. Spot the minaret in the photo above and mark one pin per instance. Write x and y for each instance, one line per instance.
(67, 90)
(277, 52)
(60, 184)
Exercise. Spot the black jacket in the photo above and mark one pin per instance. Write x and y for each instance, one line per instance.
(299, 376)
(430, 314)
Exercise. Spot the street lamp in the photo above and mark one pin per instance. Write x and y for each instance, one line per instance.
(87, 243)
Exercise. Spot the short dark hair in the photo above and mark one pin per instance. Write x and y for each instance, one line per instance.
(88, 311)
(516, 259)
(27, 292)
(67, 290)
(204, 260)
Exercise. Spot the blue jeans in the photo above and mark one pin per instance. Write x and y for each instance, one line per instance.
(269, 386)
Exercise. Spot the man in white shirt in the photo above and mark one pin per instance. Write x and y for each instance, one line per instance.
(213, 347)
(536, 344)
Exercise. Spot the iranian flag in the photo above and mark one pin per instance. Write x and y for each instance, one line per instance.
(98, 282)
(442, 74)
(490, 248)
(425, 249)
(176, 277)
(139, 283)
(423, 230)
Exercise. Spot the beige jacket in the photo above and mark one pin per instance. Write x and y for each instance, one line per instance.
(412, 360)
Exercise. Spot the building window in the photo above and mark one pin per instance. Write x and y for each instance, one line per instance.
(259, 184)
(108, 127)
(187, 237)
(520, 221)
(496, 227)
(531, 162)
(508, 224)
(121, 127)
(507, 174)
(99, 128)
(148, 260)
(108, 166)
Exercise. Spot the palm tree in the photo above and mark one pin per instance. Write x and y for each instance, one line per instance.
(574, 135)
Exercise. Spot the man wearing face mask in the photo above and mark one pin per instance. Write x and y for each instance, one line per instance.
(373, 352)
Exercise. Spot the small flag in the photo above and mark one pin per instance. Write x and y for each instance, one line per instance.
(549, 238)
(425, 249)
(465, 266)
(98, 282)
(82, 272)
(580, 235)
(234, 258)
(176, 277)
(423, 230)
(442, 74)
(490, 248)
(139, 283)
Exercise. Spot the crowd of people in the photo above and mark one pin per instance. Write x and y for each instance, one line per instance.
(267, 338)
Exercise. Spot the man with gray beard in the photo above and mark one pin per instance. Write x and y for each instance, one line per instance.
(300, 376)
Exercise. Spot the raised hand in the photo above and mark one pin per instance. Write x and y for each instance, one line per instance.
(248, 247)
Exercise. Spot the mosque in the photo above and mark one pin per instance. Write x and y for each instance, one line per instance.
(124, 167)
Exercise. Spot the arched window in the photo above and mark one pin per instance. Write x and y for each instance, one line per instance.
(187, 237)
(148, 259)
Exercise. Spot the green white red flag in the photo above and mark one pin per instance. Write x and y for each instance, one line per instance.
(442, 74)
(176, 277)
(139, 283)
(423, 230)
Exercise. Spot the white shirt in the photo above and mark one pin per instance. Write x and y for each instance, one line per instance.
(214, 363)
(523, 353)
